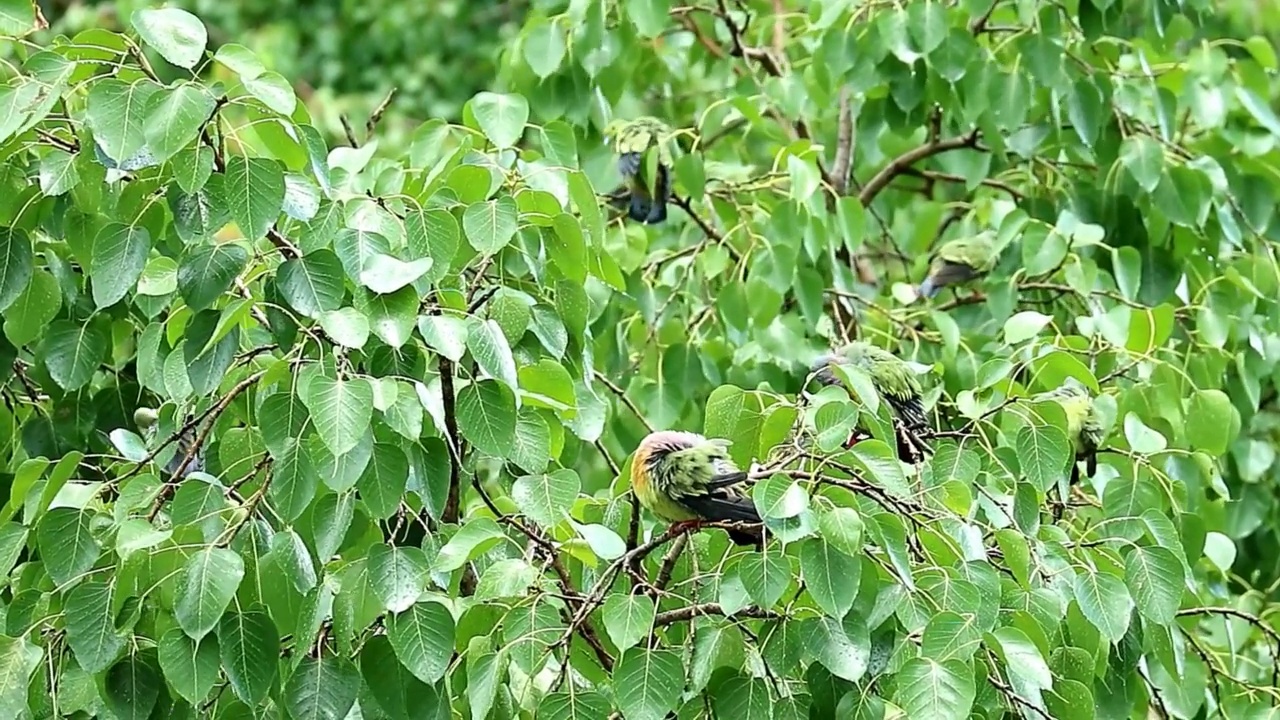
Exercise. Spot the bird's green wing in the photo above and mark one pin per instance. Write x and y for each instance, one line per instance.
(977, 252)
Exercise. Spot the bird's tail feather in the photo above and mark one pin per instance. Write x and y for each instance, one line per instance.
(927, 288)
(735, 508)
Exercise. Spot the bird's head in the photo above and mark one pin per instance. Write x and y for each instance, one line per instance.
(613, 129)
(145, 417)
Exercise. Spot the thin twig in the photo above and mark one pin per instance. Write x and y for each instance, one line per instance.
(453, 500)
(378, 112)
(900, 164)
(622, 395)
(692, 611)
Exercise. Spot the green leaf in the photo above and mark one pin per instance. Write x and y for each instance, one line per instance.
(119, 255)
(347, 326)
(951, 636)
(19, 659)
(67, 544)
(253, 189)
(423, 639)
(293, 480)
(544, 48)
(1105, 601)
(58, 172)
(15, 265)
(116, 112)
(647, 683)
(1024, 326)
(491, 224)
(628, 618)
(1043, 451)
(766, 576)
(208, 583)
(576, 705)
(17, 17)
(475, 537)
(398, 692)
(492, 353)
(176, 118)
(249, 645)
(383, 481)
(176, 34)
(1022, 658)
(190, 667)
(312, 284)
(830, 577)
(1143, 157)
(207, 274)
(545, 498)
(1155, 577)
(927, 688)
(487, 417)
(842, 527)
(386, 274)
(1212, 422)
(1141, 437)
(322, 687)
(340, 409)
(35, 308)
(132, 687)
(398, 575)
(649, 16)
(273, 90)
(501, 117)
(779, 497)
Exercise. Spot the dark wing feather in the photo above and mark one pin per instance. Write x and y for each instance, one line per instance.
(722, 506)
(910, 410)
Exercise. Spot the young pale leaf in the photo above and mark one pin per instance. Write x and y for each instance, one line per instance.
(491, 351)
(501, 117)
(385, 274)
(1142, 438)
(475, 537)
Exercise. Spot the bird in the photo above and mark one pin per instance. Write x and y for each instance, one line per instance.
(643, 201)
(896, 384)
(1084, 424)
(687, 479)
(146, 418)
(959, 261)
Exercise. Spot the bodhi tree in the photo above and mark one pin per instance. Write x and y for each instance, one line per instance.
(414, 374)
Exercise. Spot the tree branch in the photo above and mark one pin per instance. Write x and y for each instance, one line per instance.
(692, 611)
(903, 162)
(452, 501)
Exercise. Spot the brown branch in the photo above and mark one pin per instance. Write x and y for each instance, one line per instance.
(622, 395)
(903, 162)
(453, 501)
(933, 175)
(1252, 620)
(692, 611)
(376, 116)
(349, 131)
(843, 164)
(979, 24)
(212, 414)
(669, 562)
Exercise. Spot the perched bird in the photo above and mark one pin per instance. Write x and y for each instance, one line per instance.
(897, 386)
(145, 418)
(959, 261)
(644, 201)
(687, 479)
(1084, 424)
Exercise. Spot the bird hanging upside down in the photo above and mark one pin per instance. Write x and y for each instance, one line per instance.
(897, 386)
(146, 418)
(1084, 425)
(687, 479)
(644, 201)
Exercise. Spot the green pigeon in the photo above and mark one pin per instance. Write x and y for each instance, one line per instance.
(146, 418)
(1084, 424)
(645, 202)
(959, 261)
(897, 386)
(687, 479)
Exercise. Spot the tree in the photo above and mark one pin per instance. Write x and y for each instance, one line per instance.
(415, 374)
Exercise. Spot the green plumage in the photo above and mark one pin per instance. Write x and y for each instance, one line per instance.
(683, 477)
(1084, 424)
(646, 187)
(959, 261)
(897, 385)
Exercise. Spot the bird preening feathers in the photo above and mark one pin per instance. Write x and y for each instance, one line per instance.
(959, 261)
(896, 384)
(686, 479)
(646, 186)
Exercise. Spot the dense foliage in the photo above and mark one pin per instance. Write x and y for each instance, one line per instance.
(415, 378)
